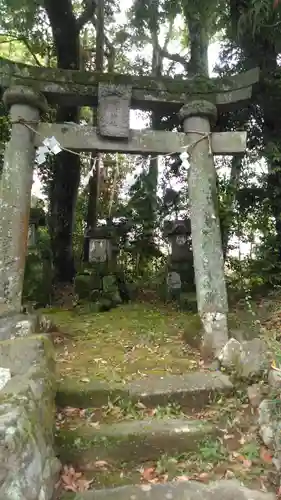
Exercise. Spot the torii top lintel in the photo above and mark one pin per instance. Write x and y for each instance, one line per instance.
(168, 94)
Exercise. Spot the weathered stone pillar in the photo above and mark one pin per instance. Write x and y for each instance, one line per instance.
(206, 236)
(15, 193)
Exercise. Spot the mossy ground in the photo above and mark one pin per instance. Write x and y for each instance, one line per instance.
(128, 342)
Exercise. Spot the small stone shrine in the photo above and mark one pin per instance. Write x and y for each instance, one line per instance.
(178, 233)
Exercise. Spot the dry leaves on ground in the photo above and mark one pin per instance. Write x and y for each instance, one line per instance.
(71, 480)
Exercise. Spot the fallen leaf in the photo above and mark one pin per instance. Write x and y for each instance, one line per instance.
(69, 411)
(140, 405)
(262, 486)
(72, 480)
(151, 412)
(203, 477)
(228, 436)
(229, 474)
(148, 474)
(83, 485)
(247, 464)
(181, 479)
(266, 455)
(96, 425)
(101, 464)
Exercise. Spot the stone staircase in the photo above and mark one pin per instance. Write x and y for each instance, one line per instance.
(100, 449)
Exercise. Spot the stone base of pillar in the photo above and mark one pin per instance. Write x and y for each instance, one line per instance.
(215, 333)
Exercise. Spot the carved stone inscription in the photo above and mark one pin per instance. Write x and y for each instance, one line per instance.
(114, 110)
(99, 250)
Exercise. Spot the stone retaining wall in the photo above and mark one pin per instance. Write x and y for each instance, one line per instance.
(28, 466)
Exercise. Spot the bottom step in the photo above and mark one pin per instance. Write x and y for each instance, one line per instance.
(191, 490)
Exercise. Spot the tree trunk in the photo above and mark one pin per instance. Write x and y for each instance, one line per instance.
(94, 181)
(66, 170)
(198, 39)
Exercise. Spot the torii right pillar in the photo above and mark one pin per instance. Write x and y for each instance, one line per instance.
(211, 291)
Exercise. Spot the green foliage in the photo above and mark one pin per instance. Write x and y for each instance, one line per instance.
(212, 451)
(37, 287)
(258, 15)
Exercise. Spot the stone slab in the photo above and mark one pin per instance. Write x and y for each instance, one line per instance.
(86, 138)
(192, 390)
(114, 110)
(191, 490)
(24, 354)
(28, 465)
(19, 325)
(95, 393)
(135, 441)
(81, 88)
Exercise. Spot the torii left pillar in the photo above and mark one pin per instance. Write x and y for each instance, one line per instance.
(25, 105)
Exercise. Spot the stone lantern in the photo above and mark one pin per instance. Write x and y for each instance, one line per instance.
(100, 245)
(103, 242)
(36, 219)
(179, 236)
(180, 275)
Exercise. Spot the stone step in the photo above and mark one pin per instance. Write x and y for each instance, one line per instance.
(193, 390)
(131, 441)
(190, 490)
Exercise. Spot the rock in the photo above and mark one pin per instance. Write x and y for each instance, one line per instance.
(265, 412)
(254, 359)
(229, 356)
(5, 376)
(270, 428)
(28, 465)
(266, 432)
(212, 366)
(47, 325)
(247, 359)
(83, 285)
(274, 379)
(254, 395)
(267, 422)
(111, 290)
(190, 490)
(19, 325)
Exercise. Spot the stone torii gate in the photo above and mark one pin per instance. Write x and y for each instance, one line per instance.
(197, 102)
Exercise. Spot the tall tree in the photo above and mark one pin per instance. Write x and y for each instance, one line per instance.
(254, 27)
(65, 180)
